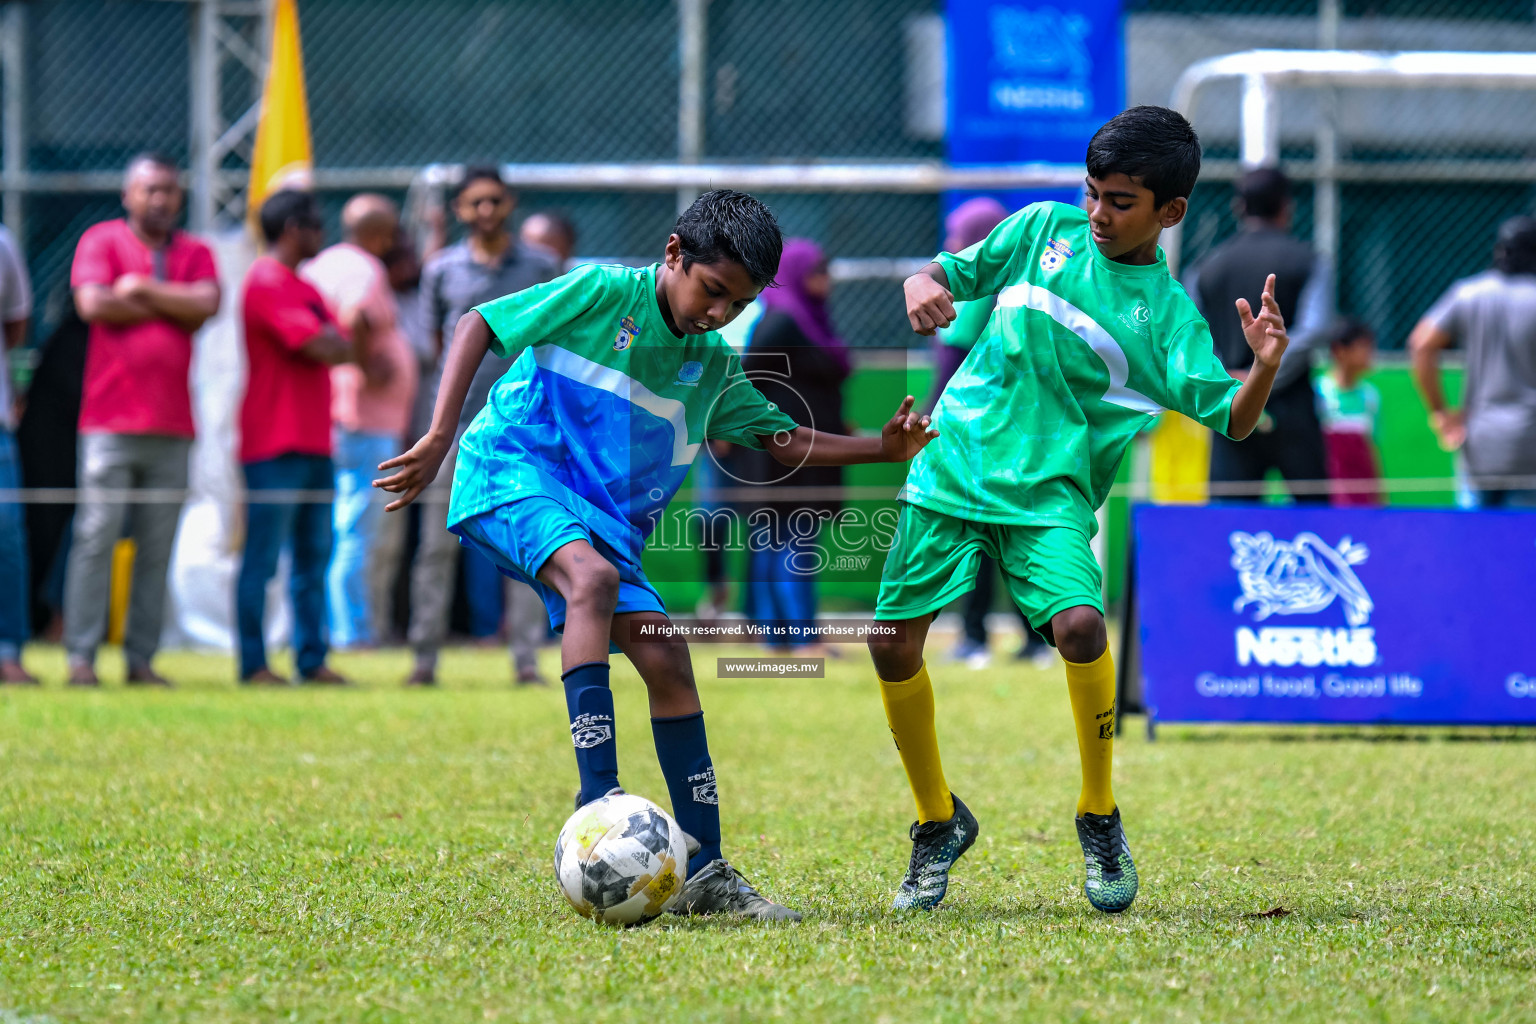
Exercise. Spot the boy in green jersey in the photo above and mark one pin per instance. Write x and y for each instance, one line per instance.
(1090, 340)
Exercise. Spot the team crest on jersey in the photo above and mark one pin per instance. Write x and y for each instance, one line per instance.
(1137, 319)
(690, 372)
(1055, 256)
(627, 334)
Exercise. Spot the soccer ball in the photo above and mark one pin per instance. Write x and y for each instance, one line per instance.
(621, 860)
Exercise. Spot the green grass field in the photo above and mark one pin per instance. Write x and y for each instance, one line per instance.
(375, 854)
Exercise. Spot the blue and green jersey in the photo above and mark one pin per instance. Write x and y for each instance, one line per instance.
(604, 408)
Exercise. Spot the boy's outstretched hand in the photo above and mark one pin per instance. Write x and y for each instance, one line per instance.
(1265, 333)
(417, 468)
(906, 433)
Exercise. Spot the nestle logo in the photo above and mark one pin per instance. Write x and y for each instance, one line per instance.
(1306, 645)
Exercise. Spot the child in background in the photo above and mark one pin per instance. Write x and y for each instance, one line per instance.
(1347, 406)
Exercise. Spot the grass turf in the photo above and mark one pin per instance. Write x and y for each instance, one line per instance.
(376, 854)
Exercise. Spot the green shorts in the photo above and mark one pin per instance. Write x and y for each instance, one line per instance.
(934, 559)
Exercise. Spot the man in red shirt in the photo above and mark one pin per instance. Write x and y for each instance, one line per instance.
(291, 343)
(144, 287)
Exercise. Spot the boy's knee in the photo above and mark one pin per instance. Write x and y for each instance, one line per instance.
(673, 676)
(894, 660)
(596, 586)
(1080, 634)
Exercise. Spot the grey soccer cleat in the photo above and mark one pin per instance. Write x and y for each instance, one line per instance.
(718, 888)
(936, 845)
(1110, 884)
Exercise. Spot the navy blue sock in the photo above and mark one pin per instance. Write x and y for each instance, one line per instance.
(590, 704)
(683, 751)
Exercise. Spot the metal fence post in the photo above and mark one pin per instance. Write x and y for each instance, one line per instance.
(13, 51)
(204, 120)
(1325, 191)
(692, 53)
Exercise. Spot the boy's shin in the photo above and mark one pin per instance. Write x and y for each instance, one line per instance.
(1091, 687)
(589, 702)
(682, 749)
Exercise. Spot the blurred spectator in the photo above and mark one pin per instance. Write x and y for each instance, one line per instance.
(15, 589)
(291, 342)
(144, 287)
(551, 232)
(487, 264)
(966, 225)
(48, 439)
(1348, 405)
(795, 340)
(370, 408)
(1493, 317)
(497, 598)
(403, 264)
(1288, 438)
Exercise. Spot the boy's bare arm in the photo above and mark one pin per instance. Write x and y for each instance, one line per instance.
(903, 437)
(418, 467)
(930, 305)
(1266, 336)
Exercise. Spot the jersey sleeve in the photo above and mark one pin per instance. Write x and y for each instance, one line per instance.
(1196, 384)
(431, 289)
(988, 266)
(15, 285)
(289, 319)
(740, 413)
(344, 277)
(533, 314)
(969, 325)
(93, 261)
(201, 265)
(1449, 312)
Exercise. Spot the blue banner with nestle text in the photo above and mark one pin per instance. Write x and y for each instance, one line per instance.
(1350, 616)
(1031, 81)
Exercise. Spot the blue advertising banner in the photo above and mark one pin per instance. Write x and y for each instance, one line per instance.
(1288, 614)
(1031, 81)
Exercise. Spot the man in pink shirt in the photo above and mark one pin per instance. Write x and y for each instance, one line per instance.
(144, 287)
(291, 343)
(370, 407)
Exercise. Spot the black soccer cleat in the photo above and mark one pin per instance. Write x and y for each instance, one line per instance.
(718, 888)
(1110, 884)
(936, 845)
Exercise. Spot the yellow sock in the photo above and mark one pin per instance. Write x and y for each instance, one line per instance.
(909, 711)
(1092, 689)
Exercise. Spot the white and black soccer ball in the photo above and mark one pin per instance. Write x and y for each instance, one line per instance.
(621, 860)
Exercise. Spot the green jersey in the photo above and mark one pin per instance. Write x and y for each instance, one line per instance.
(604, 408)
(1081, 355)
(970, 323)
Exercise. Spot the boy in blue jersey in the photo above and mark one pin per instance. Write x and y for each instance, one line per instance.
(582, 444)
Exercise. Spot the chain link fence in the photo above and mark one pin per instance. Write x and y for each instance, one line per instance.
(1423, 177)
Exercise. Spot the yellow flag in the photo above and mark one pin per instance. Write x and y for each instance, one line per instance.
(282, 157)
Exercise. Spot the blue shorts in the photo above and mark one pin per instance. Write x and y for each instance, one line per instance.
(519, 537)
